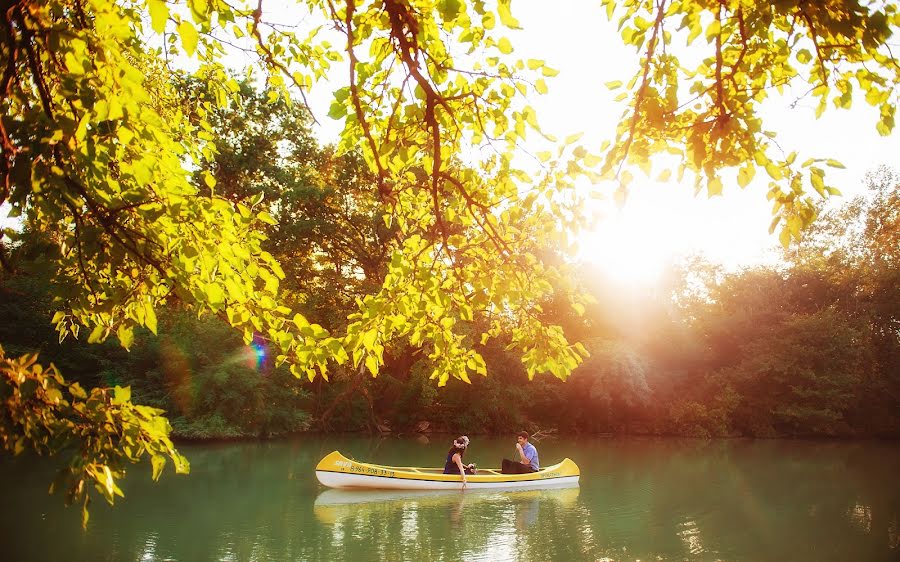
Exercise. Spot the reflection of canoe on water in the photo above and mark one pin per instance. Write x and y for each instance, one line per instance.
(337, 471)
(347, 497)
(333, 505)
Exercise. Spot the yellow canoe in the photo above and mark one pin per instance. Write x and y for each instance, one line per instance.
(337, 471)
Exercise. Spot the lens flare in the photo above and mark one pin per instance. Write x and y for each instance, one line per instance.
(259, 350)
(176, 369)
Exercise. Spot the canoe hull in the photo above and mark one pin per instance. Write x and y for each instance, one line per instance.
(337, 471)
(339, 480)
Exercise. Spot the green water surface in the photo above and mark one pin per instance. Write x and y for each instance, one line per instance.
(639, 499)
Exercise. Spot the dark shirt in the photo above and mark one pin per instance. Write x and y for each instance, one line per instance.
(450, 466)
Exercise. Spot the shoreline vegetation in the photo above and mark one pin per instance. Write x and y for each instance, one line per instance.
(438, 437)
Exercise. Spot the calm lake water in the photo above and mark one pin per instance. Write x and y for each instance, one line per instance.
(639, 499)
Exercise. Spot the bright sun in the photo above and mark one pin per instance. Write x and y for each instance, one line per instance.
(627, 250)
(660, 224)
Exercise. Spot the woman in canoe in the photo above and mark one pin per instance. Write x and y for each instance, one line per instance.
(454, 464)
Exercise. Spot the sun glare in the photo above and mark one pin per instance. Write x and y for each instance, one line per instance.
(627, 250)
(661, 224)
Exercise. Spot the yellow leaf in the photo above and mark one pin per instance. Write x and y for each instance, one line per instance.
(126, 336)
(159, 14)
(505, 12)
(745, 175)
(96, 334)
(74, 64)
(784, 237)
(372, 365)
(189, 37)
(150, 317)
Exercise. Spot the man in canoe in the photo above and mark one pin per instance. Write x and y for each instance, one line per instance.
(454, 464)
(528, 457)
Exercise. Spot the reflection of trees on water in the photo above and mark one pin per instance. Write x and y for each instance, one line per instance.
(240, 500)
(724, 499)
(639, 499)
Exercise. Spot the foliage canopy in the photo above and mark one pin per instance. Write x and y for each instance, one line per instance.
(97, 152)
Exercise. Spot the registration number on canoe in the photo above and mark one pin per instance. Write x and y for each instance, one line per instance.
(367, 470)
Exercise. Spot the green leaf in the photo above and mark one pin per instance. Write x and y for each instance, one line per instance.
(121, 394)
(158, 462)
(337, 111)
(150, 317)
(126, 336)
